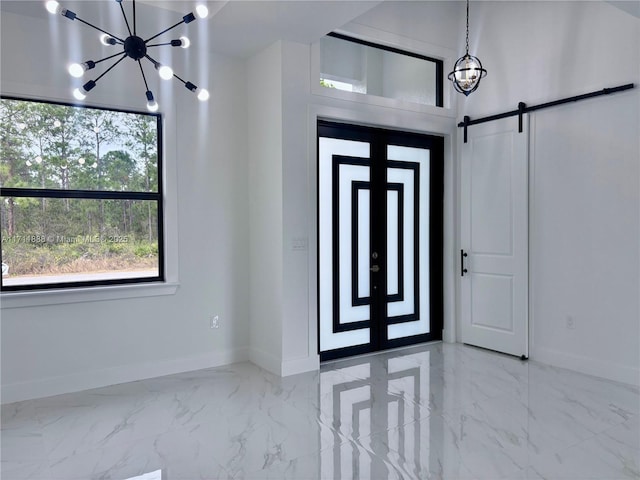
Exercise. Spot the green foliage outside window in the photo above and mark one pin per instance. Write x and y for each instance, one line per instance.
(51, 155)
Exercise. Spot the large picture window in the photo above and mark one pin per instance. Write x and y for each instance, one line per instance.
(80, 196)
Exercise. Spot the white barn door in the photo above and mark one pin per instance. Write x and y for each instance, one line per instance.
(494, 237)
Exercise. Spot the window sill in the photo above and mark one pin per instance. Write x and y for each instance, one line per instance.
(80, 295)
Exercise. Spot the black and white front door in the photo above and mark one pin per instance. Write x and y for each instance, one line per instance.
(380, 239)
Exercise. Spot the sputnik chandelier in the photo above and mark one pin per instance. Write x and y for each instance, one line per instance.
(467, 71)
(135, 48)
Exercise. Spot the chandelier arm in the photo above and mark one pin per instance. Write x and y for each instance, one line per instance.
(100, 29)
(125, 18)
(158, 44)
(144, 77)
(155, 63)
(176, 76)
(164, 31)
(107, 58)
(190, 86)
(124, 55)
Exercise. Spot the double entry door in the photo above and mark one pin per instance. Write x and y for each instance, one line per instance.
(380, 196)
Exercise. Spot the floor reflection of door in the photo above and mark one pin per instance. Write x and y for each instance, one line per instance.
(379, 408)
(380, 239)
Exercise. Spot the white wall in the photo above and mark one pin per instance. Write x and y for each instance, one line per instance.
(584, 172)
(51, 349)
(264, 86)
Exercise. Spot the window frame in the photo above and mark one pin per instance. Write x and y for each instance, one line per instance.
(157, 196)
(439, 64)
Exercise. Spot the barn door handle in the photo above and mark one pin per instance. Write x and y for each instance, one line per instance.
(463, 270)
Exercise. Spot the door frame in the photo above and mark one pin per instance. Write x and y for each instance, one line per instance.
(378, 326)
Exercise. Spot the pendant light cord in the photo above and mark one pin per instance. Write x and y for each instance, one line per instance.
(467, 27)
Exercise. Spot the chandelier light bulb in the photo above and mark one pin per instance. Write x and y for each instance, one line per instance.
(471, 71)
(165, 72)
(28, 162)
(57, 124)
(81, 93)
(202, 11)
(202, 94)
(185, 42)
(38, 159)
(81, 161)
(76, 70)
(53, 7)
(152, 105)
(78, 94)
(107, 40)
(21, 126)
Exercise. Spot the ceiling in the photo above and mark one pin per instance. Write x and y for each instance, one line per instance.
(239, 28)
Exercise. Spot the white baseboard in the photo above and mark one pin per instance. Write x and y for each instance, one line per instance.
(265, 360)
(16, 392)
(301, 365)
(275, 365)
(590, 366)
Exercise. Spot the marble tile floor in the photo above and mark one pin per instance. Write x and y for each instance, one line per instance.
(436, 411)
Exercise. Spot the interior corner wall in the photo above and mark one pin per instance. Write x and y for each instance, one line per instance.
(53, 349)
(282, 340)
(299, 335)
(264, 87)
(584, 172)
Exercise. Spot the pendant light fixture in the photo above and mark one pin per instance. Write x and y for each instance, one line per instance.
(134, 47)
(467, 71)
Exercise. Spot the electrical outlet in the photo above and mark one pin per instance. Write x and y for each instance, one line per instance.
(215, 322)
(571, 323)
(299, 243)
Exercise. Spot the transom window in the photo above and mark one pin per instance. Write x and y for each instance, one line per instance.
(359, 66)
(80, 196)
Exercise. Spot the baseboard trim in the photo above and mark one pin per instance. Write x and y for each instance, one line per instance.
(275, 365)
(265, 360)
(16, 392)
(301, 365)
(590, 366)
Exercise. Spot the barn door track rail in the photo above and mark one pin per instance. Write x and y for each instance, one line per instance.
(523, 108)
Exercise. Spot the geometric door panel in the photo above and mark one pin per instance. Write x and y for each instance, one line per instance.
(407, 241)
(345, 163)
